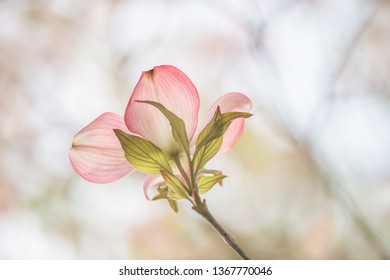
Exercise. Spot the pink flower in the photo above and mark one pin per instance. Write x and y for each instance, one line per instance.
(96, 152)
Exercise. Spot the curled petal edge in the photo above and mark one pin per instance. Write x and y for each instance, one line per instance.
(150, 182)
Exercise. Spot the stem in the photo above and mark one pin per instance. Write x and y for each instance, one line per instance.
(201, 208)
(182, 171)
(193, 186)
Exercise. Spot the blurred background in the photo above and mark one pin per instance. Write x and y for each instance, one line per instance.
(310, 178)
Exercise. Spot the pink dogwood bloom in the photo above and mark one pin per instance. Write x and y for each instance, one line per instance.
(96, 152)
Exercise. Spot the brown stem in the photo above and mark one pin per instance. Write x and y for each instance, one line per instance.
(201, 208)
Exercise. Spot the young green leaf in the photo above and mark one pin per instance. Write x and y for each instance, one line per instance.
(176, 187)
(206, 152)
(206, 130)
(162, 193)
(143, 154)
(205, 183)
(210, 139)
(178, 126)
(219, 125)
(173, 204)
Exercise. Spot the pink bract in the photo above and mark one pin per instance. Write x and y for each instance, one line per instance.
(96, 153)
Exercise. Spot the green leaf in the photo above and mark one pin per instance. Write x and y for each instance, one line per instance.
(206, 152)
(218, 125)
(143, 154)
(205, 183)
(162, 192)
(206, 130)
(176, 187)
(210, 138)
(210, 171)
(179, 132)
(173, 204)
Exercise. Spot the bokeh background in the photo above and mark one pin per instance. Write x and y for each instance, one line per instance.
(310, 178)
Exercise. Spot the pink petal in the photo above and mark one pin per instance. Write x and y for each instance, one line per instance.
(173, 89)
(96, 152)
(229, 102)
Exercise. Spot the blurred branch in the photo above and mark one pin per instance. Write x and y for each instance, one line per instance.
(330, 97)
(202, 209)
(305, 148)
(304, 145)
(254, 28)
(336, 190)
